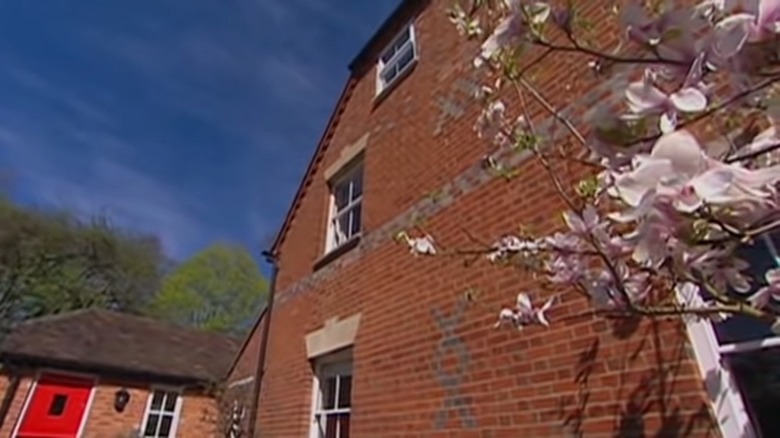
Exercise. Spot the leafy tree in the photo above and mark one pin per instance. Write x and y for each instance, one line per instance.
(219, 289)
(52, 262)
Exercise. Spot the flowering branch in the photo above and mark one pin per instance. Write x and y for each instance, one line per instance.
(655, 230)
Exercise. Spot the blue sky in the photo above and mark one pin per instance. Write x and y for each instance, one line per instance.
(190, 119)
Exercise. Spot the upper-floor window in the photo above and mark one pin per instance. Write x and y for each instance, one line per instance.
(345, 206)
(396, 59)
(744, 354)
(162, 414)
(332, 398)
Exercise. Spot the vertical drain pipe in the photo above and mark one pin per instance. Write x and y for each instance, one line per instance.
(271, 259)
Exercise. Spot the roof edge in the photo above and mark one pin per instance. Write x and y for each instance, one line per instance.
(394, 16)
(244, 344)
(367, 49)
(117, 372)
(321, 146)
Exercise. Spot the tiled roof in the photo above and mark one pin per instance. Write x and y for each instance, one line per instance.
(98, 339)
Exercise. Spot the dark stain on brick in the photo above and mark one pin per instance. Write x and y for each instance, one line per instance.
(453, 106)
(454, 401)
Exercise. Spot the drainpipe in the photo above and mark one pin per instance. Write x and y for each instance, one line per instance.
(271, 259)
(10, 394)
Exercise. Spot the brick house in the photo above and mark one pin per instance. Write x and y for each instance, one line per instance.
(101, 374)
(363, 339)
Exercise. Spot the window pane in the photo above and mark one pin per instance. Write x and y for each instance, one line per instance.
(355, 220)
(357, 185)
(341, 196)
(345, 392)
(341, 229)
(758, 376)
(406, 57)
(170, 401)
(388, 55)
(344, 426)
(403, 38)
(165, 426)
(741, 328)
(57, 406)
(157, 400)
(151, 425)
(331, 426)
(328, 389)
(389, 74)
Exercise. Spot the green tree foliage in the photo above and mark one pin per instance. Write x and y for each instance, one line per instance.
(52, 262)
(219, 289)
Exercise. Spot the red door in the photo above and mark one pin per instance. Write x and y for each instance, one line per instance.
(55, 410)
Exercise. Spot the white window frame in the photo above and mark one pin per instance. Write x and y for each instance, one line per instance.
(337, 364)
(727, 403)
(176, 410)
(347, 176)
(382, 67)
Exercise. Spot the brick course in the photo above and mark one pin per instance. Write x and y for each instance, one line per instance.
(581, 377)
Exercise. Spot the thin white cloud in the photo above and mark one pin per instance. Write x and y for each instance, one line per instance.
(98, 182)
(259, 80)
(42, 87)
(131, 199)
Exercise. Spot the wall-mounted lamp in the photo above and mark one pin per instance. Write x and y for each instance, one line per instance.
(121, 399)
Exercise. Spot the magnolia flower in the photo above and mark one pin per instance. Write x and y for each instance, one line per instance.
(640, 27)
(424, 245)
(589, 224)
(492, 121)
(511, 30)
(689, 297)
(508, 245)
(680, 171)
(566, 242)
(524, 313)
(585, 224)
(708, 8)
(644, 98)
(765, 143)
(602, 289)
(722, 270)
(772, 289)
(758, 21)
(466, 25)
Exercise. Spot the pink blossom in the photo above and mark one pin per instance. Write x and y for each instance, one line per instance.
(509, 245)
(644, 98)
(678, 169)
(492, 121)
(651, 31)
(524, 313)
(763, 296)
(758, 21)
(722, 270)
(423, 245)
(569, 269)
(512, 29)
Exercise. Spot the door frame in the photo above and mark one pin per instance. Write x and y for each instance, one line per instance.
(51, 371)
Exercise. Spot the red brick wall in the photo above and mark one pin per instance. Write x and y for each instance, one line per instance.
(246, 363)
(16, 405)
(580, 376)
(239, 386)
(197, 417)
